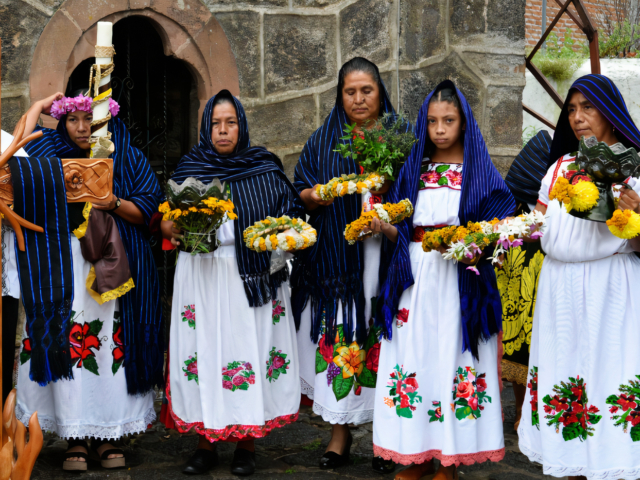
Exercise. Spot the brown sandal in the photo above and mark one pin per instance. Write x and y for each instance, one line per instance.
(104, 459)
(76, 465)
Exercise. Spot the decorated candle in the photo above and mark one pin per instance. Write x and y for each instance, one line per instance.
(104, 39)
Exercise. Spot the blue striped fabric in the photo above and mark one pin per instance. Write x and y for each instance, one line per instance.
(331, 271)
(45, 267)
(259, 188)
(605, 96)
(529, 168)
(140, 308)
(484, 195)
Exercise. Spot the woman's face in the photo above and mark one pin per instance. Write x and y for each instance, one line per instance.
(361, 97)
(224, 128)
(79, 127)
(444, 124)
(586, 120)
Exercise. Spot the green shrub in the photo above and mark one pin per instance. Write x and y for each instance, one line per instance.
(528, 133)
(621, 40)
(559, 60)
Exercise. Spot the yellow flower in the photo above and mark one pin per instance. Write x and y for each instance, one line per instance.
(291, 243)
(231, 215)
(262, 244)
(585, 196)
(193, 209)
(624, 224)
(274, 240)
(350, 359)
(164, 207)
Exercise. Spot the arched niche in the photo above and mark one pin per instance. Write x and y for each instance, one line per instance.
(188, 30)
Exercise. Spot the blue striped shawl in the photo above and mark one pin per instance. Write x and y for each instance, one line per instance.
(605, 96)
(139, 308)
(529, 168)
(259, 188)
(484, 195)
(331, 271)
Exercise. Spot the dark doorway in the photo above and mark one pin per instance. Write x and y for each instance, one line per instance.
(158, 104)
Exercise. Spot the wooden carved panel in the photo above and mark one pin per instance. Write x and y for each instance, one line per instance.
(86, 180)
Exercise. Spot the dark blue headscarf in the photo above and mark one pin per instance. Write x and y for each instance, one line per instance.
(529, 168)
(484, 195)
(605, 96)
(331, 271)
(259, 188)
(140, 308)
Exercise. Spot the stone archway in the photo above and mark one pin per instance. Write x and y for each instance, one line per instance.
(188, 30)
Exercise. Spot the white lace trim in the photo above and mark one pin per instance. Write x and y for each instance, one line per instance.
(612, 474)
(306, 389)
(111, 432)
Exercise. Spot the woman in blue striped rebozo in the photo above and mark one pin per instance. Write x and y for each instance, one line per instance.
(335, 285)
(116, 346)
(438, 395)
(581, 416)
(231, 322)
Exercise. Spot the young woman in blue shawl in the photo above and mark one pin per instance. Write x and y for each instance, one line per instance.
(438, 394)
(581, 417)
(233, 354)
(116, 347)
(335, 284)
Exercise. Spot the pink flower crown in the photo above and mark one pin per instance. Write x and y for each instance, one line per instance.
(61, 107)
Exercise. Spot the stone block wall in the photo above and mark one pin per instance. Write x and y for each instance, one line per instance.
(288, 53)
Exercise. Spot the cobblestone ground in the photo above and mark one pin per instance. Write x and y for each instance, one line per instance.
(290, 453)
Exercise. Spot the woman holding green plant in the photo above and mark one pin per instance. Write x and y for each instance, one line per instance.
(335, 284)
(233, 352)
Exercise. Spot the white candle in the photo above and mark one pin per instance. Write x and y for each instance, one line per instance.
(104, 39)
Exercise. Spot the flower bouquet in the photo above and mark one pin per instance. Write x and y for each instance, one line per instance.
(389, 212)
(470, 241)
(198, 210)
(286, 233)
(587, 188)
(380, 151)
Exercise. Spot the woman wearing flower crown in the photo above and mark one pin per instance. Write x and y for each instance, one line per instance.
(581, 416)
(334, 284)
(233, 360)
(115, 346)
(438, 392)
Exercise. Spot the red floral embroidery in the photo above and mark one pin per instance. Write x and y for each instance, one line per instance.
(373, 357)
(230, 432)
(402, 317)
(118, 344)
(83, 339)
(625, 408)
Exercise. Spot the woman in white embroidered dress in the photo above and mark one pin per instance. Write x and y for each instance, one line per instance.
(582, 416)
(426, 371)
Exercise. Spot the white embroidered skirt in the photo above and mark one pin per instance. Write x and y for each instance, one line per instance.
(233, 368)
(95, 403)
(581, 415)
(432, 400)
(343, 390)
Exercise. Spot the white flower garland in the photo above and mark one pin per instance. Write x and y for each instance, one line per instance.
(350, 184)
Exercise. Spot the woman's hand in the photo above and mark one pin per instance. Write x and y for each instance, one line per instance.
(312, 200)
(127, 210)
(45, 104)
(378, 226)
(170, 232)
(109, 204)
(629, 200)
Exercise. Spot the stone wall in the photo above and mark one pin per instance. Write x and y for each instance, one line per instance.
(288, 53)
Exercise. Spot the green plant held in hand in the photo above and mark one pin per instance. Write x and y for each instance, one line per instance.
(382, 148)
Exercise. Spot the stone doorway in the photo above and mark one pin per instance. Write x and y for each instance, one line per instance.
(157, 94)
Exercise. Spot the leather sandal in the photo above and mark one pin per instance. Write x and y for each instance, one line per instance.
(105, 461)
(76, 465)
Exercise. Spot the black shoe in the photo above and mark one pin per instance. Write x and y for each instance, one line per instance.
(381, 465)
(244, 462)
(333, 460)
(201, 462)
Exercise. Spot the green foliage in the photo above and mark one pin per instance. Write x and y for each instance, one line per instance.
(381, 148)
(528, 133)
(313, 445)
(621, 40)
(559, 60)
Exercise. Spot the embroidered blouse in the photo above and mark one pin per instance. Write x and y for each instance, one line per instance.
(438, 175)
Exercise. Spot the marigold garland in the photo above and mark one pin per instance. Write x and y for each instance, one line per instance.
(389, 212)
(286, 233)
(350, 184)
(624, 224)
(582, 196)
